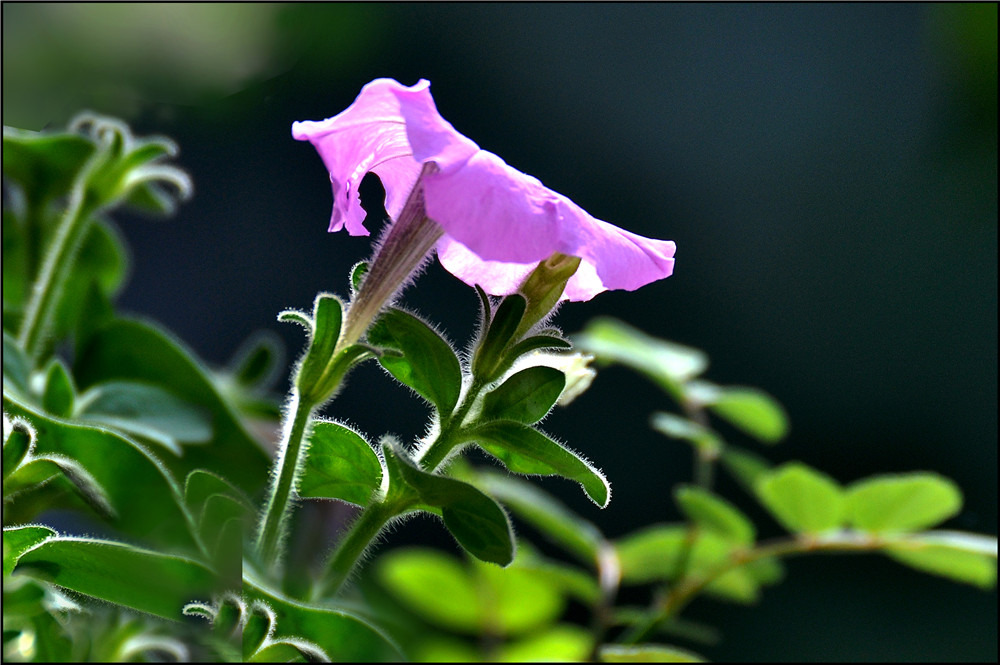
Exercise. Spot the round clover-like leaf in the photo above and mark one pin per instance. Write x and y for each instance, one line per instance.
(903, 502)
(801, 498)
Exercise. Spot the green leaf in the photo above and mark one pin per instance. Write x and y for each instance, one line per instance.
(428, 364)
(646, 653)
(36, 470)
(141, 579)
(358, 272)
(482, 599)
(311, 378)
(488, 361)
(534, 343)
(341, 465)
(295, 316)
(129, 350)
(667, 364)
(342, 635)
(256, 362)
(145, 410)
(903, 502)
(564, 527)
(19, 539)
(18, 441)
(714, 513)
(560, 643)
(962, 557)
(704, 440)
(744, 466)
(801, 498)
(525, 450)
(146, 500)
(526, 396)
(101, 263)
(751, 410)
(45, 164)
(16, 366)
(57, 398)
(666, 552)
(652, 553)
(518, 600)
(479, 525)
(421, 578)
(201, 485)
(257, 627)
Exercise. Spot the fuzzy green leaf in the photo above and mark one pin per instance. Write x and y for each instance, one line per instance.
(342, 635)
(526, 396)
(146, 500)
(312, 377)
(801, 498)
(340, 465)
(575, 534)
(903, 502)
(525, 450)
(489, 361)
(475, 520)
(428, 364)
(19, 539)
(137, 578)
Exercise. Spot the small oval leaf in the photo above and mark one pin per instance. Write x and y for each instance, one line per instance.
(801, 498)
(526, 396)
(712, 512)
(903, 502)
(340, 465)
(523, 449)
(428, 364)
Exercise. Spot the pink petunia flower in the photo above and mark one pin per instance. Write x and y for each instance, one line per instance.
(491, 224)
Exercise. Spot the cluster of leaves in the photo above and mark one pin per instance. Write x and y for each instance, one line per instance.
(112, 427)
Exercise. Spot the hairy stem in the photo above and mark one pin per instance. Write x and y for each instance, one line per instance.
(55, 270)
(290, 459)
(359, 537)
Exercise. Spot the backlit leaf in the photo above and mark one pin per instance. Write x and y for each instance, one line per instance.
(801, 498)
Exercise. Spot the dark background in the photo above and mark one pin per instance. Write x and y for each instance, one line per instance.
(829, 174)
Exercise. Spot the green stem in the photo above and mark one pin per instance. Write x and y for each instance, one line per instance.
(359, 536)
(55, 270)
(290, 459)
(434, 454)
(687, 589)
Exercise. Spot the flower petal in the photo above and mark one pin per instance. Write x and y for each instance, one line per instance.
(370, 135)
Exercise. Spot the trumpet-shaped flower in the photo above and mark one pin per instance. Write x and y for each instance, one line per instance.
(496, 223)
